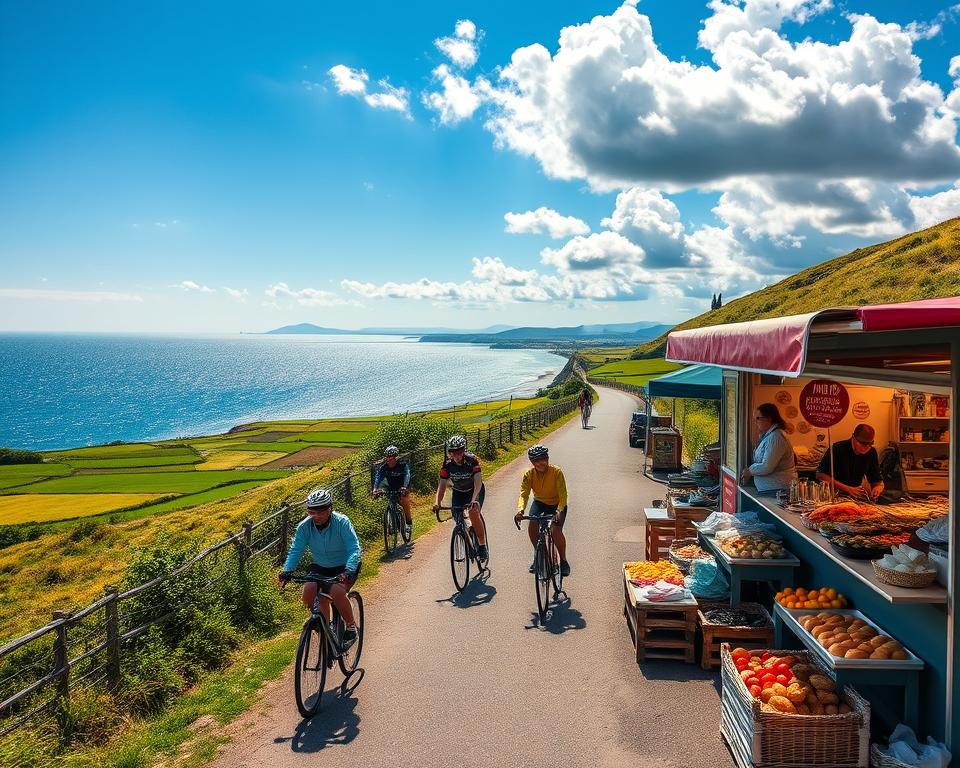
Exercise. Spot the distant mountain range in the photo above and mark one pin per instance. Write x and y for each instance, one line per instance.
(310, 328)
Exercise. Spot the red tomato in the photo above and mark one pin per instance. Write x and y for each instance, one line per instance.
(752, 681)
(783, 679)
(746, 674)
(781, 669)
(740, 664)
(765, 656)
(755, 691)
(738, 652)
(767, 680)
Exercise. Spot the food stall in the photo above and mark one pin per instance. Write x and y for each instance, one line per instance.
(896, 368)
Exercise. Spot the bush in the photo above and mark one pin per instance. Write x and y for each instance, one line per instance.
(14, 456)
(151, 674)
(209, 642)
(17, 534)
(90, 717)
(255, 604)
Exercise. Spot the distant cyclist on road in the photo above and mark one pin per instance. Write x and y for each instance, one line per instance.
(462, 470)
(396, 475)
(335, 550)
(585, 401)
(549, 499)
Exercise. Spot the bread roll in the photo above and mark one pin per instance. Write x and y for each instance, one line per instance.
(856, 653)
(830, 709)
(899, 655)
(880, 653)
(827, 697)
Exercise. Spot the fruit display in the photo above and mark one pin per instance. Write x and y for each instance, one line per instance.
(643, 573)
(752, 547)
(801, 598)
(691, 552)
(847, 636)
(785, 684)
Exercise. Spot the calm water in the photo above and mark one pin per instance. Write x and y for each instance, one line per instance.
(59, 391)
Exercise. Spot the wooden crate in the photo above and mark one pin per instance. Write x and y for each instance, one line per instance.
(743, 637)
(661, 630)
(685, 517)
(659, 536)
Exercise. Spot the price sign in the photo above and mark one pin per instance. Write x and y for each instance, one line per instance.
(729, 492)
(824, 403)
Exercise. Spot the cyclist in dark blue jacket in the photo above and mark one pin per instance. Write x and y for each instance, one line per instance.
(395, 473)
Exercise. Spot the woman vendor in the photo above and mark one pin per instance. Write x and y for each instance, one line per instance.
(773, 466)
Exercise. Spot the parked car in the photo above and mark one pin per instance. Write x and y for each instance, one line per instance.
(637, 432)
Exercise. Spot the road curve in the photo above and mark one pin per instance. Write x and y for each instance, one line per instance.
(474, 682)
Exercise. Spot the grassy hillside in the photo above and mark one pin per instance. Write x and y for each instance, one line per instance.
(921, 265)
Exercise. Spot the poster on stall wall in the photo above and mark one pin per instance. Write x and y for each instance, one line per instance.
(728, 493)
(824, 403)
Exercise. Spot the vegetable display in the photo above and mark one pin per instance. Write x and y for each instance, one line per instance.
(785, 685)
(643, 573)
(751, 547)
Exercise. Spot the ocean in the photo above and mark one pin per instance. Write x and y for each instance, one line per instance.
(69, 390)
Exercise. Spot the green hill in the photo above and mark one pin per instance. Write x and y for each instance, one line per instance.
(921, 265)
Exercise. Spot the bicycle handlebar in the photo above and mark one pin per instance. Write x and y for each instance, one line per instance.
(539, 518)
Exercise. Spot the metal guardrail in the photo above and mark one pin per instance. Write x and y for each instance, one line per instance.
(84, 649)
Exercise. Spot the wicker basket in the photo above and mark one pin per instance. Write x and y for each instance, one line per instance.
(880, 760)
(900, 579)
(777, 740)
(684, 563)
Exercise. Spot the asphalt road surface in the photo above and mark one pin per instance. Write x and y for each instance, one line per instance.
(474, 681)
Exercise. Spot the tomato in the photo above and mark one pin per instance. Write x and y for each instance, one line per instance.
(781, 668)
(738, 652)
(765, 656)
(746, 674)
(741, 663)
(752, 681)
(767, 680)
(783, 679)
(755, 691)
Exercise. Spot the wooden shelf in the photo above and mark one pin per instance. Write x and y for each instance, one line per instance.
(923, 442)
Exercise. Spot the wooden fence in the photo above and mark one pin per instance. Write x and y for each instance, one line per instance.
(84, 649)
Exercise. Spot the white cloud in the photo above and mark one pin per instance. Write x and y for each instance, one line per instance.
(456, 101)
(240, 294)
(190, 285)
(51, 294)
(461, 49)
(544, 221)
(646, 217)
(933, 209)
(308, 297)
(355, 82)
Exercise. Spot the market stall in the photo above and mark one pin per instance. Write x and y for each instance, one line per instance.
(854, 386)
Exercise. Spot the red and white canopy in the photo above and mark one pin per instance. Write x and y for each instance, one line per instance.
(779, 345)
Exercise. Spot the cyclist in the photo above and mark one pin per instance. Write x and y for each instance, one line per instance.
(396, 474)
(335, 550)
(549, 499)
(585, 401)
(462, 470)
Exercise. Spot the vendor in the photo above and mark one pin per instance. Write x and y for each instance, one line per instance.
(773, 466)
(856, 467)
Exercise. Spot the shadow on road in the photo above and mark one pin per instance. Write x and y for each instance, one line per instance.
(403, 552)
(561, 618)
(336, 724)
(478, 592)
(666, 670)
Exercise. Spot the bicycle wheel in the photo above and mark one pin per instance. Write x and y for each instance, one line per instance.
(459, 559)
(391, 536)
(541, 579)
(402, 524)
(310, 676)
(555, 575)
(350, 659)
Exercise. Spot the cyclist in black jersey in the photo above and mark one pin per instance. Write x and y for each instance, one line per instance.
(396, 474)
(461, 470)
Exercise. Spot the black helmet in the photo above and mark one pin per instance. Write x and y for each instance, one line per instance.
(537, 452)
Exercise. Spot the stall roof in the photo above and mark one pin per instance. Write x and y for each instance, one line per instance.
(779, 345)
(700, 382)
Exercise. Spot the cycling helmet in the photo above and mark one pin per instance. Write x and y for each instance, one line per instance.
(538, 451)
(320, 497)
(391, 450)
(457, 443)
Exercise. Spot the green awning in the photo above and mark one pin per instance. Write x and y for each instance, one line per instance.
(699, 382)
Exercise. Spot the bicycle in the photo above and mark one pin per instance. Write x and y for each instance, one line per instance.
(585, 412)
(394, 522)
(546, 565)
(321, 643)
(464, 547)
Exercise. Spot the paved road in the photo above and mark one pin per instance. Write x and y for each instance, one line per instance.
(474, 681)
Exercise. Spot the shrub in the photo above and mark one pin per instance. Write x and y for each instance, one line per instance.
(17, 534)
(209, 642)
(15, 456)
(89, 717)
(151, 675)
(255, 604)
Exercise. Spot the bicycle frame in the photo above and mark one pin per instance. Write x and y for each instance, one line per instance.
(316, 614)
(461, 521)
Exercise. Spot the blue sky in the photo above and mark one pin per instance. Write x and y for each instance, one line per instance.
(203, 169)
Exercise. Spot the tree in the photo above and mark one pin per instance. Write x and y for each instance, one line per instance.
(719, 300)
(713, 302)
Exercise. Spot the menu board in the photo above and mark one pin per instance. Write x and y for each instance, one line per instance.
(730, 421)
(824, 403)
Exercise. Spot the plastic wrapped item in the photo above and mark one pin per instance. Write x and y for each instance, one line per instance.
(744, 523)
(937, 531)
(905, 747)
(707, 580)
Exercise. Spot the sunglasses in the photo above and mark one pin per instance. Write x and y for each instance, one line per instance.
(318, 510)
(864, 442)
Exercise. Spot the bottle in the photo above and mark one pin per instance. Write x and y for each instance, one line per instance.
(794, 491)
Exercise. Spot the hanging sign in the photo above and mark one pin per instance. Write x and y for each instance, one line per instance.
(824, 403)
(729, 491)
(861, 410)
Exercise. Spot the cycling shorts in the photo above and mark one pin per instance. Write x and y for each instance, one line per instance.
(539, 509)
(320, 570)
(463, 498)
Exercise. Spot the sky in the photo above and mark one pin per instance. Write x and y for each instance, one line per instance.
(214, 167)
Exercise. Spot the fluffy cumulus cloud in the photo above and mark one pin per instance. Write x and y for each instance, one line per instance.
(457, 98)
(932, 209)
(193, 287)
(461, 47)
(544, 221)
(646, 216)
(240, 294)
(355, 82)
(308, 297)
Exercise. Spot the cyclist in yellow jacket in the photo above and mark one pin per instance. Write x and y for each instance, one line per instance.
(549, 500)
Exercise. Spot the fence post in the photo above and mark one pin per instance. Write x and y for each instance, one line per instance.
(61, 663)
(243, 546)
(112, 623)
(478, 440)
(347, 490)
(500, 439)
(284, 532)
(510, 431)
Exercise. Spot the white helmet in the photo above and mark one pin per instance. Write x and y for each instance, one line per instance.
(538, 451)
(457, 443)
(391, 450)
(320, 497)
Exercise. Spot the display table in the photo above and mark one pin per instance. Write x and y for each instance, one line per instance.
(660, 630)
(660, 529)
(779, 570)
(865, 672)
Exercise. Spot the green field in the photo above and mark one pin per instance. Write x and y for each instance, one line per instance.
(18, 474)
(123, 450)
(145, 482)
(336, 437)
(601, 355)
(195, 499)
(637, 372)
(147, 461)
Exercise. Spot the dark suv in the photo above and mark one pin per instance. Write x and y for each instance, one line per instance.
(637, 433)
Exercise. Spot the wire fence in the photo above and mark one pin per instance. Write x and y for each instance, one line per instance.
(42, 671)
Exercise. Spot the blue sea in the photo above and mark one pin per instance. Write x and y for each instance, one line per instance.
(69, 390)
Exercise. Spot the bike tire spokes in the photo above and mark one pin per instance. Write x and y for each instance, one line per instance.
(459, 558)
(351, 657)
(311, 669)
